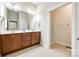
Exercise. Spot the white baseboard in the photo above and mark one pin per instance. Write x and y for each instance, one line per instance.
(63, 43)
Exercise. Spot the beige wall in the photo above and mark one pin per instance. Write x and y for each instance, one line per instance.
(61, 21)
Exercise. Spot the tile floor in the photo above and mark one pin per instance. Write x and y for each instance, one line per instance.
(39, 51)
(61, 49)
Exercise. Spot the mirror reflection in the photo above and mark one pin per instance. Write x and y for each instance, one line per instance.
(18, 20)
(23, 17)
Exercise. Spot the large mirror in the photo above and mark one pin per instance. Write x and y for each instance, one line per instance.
(19, 19)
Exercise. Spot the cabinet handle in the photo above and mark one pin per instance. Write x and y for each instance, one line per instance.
(77, 38)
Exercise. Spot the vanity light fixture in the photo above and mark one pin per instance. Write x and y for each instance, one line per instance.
(12, 5)
(31, 11)
(16, 8)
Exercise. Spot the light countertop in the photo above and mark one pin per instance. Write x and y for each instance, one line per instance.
(17, 31)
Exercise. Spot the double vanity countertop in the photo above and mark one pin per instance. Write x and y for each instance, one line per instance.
(17, 31)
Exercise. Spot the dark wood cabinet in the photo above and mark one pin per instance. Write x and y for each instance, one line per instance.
(13, 42)
(0, 45)
(26, 39)
(10, 43)
(35, 37)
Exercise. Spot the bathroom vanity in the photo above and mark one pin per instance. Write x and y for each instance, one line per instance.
(16, 41)
(18, 29)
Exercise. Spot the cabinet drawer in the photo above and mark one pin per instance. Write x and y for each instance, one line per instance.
(26, 34)
(26, 39)
(26, 44)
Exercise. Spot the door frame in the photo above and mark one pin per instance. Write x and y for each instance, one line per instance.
(72, 25)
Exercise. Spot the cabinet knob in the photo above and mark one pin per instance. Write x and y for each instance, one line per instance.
(77, 38)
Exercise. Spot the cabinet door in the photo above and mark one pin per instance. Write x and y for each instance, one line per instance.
(16, 39)
(35, 37)
(10, 43)
(26, 39)
(0, 45)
